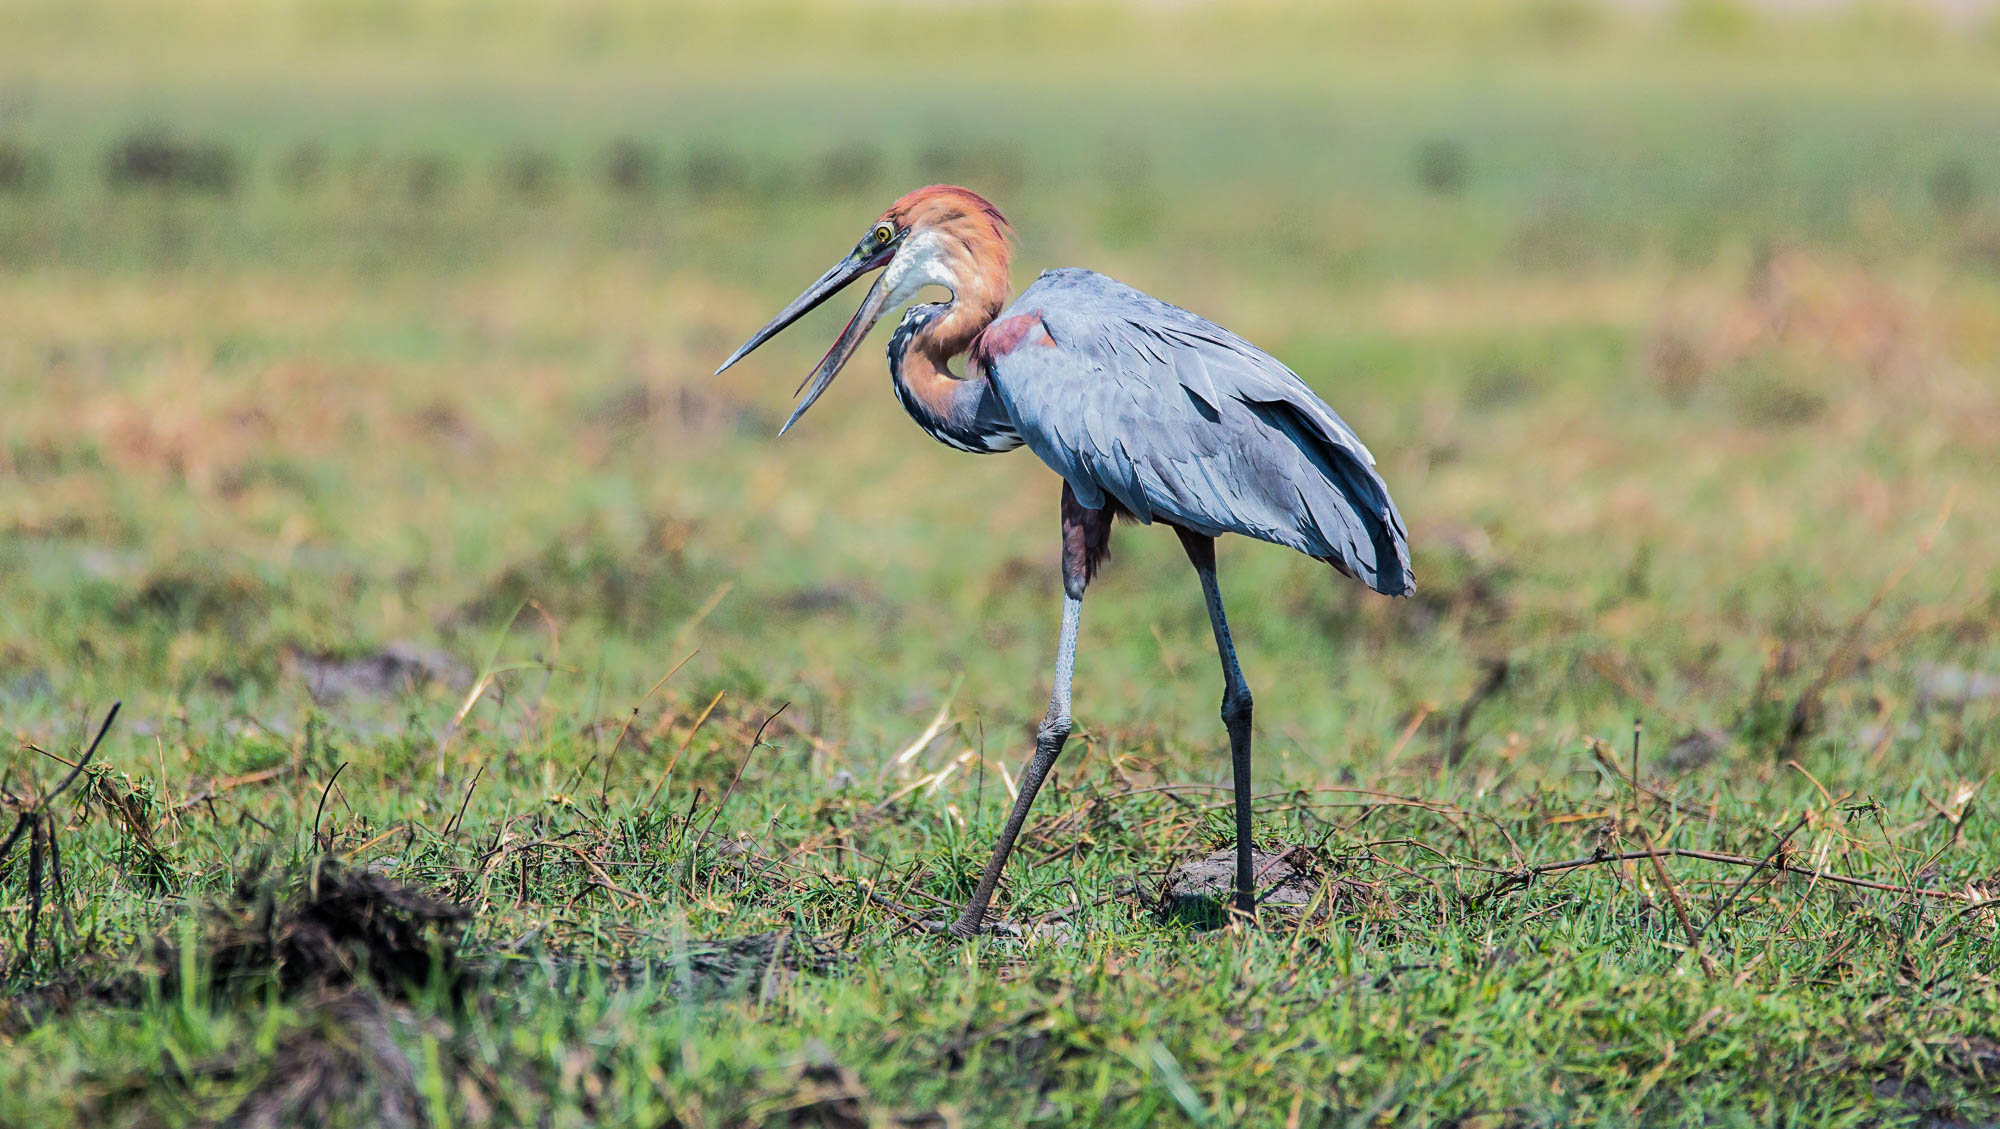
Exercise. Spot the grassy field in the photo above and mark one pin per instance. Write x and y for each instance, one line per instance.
(515, 732)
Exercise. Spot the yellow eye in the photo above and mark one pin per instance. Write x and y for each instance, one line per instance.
(884, 233)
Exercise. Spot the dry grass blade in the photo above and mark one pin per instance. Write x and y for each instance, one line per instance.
(1680, 907)
(755, 741)
(605, 782)
(1518, 878)
(693, 729)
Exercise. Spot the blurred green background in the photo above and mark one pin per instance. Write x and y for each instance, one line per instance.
(354, 350)
(333, 324)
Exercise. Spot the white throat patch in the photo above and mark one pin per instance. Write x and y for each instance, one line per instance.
(920, 263)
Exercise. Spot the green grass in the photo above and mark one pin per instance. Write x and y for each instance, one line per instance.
(1685, 371)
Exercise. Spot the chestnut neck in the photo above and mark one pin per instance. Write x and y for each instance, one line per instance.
(963, 412)
(977, 299)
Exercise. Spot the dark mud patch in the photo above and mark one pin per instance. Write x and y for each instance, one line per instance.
(345, 1065)
(328, 929)
(593, 573)
(1197, 891)
(352, 951)
(822, 1091)
(838, 598)
(339, 926)
(1972, 1060)
(92, 984)
(333, 928)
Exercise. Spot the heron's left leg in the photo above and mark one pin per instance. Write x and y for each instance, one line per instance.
(1049, 740)
(1235, 711)
(1086, 539)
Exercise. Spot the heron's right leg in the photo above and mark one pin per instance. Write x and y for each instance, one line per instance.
(1086, 539)
(1236, 708)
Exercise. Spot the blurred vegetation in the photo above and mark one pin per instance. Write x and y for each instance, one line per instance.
(355, 417)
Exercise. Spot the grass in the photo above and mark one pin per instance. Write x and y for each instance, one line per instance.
(358, 437)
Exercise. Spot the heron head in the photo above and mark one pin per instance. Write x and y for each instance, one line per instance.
(941, 235)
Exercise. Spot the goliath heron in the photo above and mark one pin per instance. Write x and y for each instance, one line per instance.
(1146, 411)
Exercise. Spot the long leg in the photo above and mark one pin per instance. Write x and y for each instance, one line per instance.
(1049, 739)
(1086, 535)
(1235, 712)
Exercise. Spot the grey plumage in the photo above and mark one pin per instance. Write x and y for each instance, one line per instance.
(1171, 417)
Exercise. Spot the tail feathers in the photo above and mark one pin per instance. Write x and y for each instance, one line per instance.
(1349, 510)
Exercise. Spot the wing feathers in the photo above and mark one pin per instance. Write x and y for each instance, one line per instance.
(1180, 420)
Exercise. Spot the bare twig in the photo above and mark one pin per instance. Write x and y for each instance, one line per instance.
(36, 832)
(1416, 722)
(321, 809)
(747, 754)
(217, 787)
(42, 842)
(487, 673)
(1768, 860)
(88, 753)
(21, 824)
(459, 819)
(1608, 669)
(61, 885)
(596, 870)
(1601, 750)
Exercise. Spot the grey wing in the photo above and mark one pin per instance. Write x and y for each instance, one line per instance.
(1174, 418)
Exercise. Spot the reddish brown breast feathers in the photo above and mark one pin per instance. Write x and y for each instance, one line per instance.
(1007, 334)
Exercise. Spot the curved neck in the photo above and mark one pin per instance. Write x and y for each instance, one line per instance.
(958, 411)
(978, 291)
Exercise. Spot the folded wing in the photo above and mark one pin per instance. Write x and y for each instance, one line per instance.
(1174, 418)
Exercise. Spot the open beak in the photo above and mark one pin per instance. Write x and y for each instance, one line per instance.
(832, 282)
